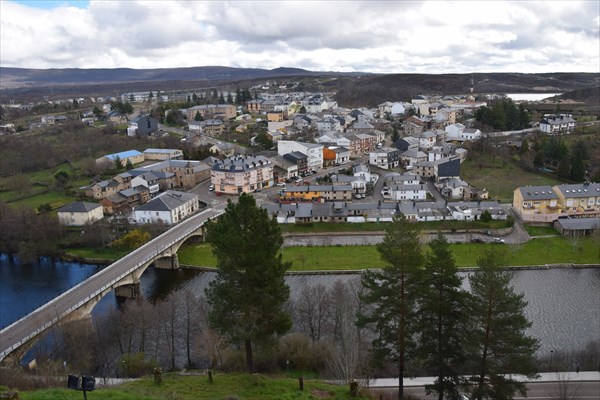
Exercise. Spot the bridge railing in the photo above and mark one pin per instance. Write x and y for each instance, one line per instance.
(188, 227)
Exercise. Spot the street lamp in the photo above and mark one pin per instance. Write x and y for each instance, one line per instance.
(551, 355)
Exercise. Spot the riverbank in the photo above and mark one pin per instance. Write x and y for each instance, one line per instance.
(554, 250)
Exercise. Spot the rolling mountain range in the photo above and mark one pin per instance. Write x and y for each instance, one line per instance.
(353, 89)
(19, 77)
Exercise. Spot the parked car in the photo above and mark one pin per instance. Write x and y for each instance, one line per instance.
(211, 187)
(281, 184)
(476, 240)
(497, 240)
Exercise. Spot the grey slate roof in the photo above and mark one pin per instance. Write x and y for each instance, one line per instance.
(79, 206)
(167, 201)
(579, 223)
(580, 190)
(241, 163)
(538, 193)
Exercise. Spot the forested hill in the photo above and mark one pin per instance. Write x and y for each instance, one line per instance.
(587, 95)
(19, 77)
(372, 90)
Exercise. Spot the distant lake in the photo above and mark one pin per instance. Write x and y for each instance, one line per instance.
(530, 96)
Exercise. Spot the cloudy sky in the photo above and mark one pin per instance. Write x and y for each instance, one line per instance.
(370, 36)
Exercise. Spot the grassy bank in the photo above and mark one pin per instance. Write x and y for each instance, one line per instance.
(324, 227)
(224, 386)
(552, 250)
(98, 254)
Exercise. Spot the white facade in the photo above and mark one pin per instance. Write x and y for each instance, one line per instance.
(169, 208)
(406, 192)
(80, 214)
(557, 124)
(313, 151)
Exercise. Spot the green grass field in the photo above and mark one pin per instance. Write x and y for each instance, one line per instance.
(541, 230)
(553, 250)
(501, 180)
(55, 199)
(224, 386)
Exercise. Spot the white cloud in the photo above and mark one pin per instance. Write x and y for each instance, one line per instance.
(387, 36)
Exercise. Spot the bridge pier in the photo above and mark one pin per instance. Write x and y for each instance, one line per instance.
(130, 291)
(171, 262)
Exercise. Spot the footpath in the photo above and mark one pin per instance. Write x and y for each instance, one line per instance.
(583, 376)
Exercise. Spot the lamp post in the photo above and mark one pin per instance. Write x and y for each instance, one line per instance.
(551, 356)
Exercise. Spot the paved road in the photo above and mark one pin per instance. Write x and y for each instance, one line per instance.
(42, 318)
(583, 386)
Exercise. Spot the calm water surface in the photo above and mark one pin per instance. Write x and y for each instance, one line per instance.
(563, 304)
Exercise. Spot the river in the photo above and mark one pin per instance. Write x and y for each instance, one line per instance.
(563, 304)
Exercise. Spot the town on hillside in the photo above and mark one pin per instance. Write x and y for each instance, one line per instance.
(307, 159)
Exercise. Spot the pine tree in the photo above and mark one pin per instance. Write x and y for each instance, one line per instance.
(248, 294)
(118, 164)
(442, 319)
(579, 155)
(498, 345)
(392, 294)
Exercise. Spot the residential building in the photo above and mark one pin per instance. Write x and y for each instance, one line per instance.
(407, 143)
(427, 140)
(329, 124)
(298, 159)
(391, 108)
(335, 155)
(547, 204)
(439, 169)
(415, 192)
(385, 158)
(212, 127)
(162, 154)
(557, 124)
(411, 157)
(284, 169)
(212, 111)
(582, 199)
(536, 203)
(318, 193)
(242, 174)
(154, 181)
(125, 200)
(133, 156)
(224, 149)
(80, 213)
(342, 211)
(313, 151)
(168, 208)
(142, 126)
(275, 116)
(188, 173)
(413, 125)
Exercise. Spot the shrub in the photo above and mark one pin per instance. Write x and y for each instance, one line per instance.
(134, 365)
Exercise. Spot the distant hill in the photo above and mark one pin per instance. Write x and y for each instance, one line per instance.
(372, 90)
(352, 89)
(20, 77)
(588, 95)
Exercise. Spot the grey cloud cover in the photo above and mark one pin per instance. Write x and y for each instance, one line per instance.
(381, 36)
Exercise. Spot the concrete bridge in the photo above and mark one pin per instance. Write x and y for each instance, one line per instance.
(121, 276)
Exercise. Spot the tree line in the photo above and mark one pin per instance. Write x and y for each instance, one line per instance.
(414, 309)
(503, 115)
